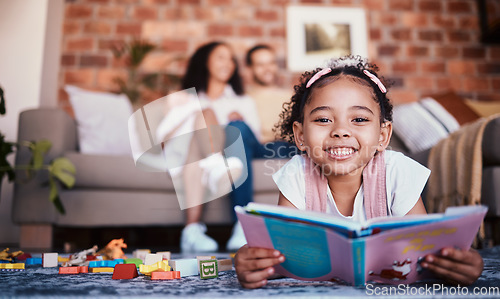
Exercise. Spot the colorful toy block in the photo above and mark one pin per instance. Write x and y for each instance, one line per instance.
(12, 267)
(152, 258)
(49, 260)
(157, 275)
(62, 259)
(23, 257)
(107, 263)
(73, 270)
(209, 269)
(125, 271)
(34, 261)
(165, 254)
(135, 261)
(159, 266)
(101, 270)
(141, 254)
(187, 267)
(225, 265)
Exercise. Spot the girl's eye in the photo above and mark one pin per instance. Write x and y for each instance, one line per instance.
(360, 119)
(322, 120)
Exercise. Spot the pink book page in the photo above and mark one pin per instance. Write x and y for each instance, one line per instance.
(311, 253)
(393, 256)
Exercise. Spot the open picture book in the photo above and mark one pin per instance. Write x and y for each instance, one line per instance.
(319, 246)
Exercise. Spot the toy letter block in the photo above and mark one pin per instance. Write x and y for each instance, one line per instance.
(165, 254)
(83, 269)
(152, 258)
(157, 275)
(125, 271)
(209, 269)
(49, 260)
(225, 265)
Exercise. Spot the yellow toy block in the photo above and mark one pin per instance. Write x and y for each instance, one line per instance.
(102, 270)
(7, 266)
(62, 259)
(159, 266)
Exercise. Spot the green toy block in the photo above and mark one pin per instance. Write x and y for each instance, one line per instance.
(136, 261)
(209, 269)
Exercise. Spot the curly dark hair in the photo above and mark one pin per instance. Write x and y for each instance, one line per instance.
(348, 67)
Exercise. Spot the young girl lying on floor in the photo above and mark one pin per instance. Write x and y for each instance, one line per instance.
(340, 117)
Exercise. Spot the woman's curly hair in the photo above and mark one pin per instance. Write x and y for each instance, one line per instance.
(349, 67)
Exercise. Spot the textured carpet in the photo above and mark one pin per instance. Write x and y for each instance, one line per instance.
(43, 282)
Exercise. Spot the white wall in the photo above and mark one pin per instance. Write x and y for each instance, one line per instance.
(30, 38)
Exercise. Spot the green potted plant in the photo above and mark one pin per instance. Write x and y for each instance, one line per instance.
(60, 169)
(137, 83)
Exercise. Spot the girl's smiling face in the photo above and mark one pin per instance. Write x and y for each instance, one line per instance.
(341, 130)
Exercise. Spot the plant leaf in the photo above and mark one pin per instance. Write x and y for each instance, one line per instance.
(39, 149)
(54, 196)
(2, 102)
(6, 148)
(62, 169)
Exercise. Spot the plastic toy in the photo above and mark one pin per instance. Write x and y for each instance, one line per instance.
(114, 250)
(6, 256)
(159, 266)
(157, 275)
(125, 271)
(12, 267)
(80, 257)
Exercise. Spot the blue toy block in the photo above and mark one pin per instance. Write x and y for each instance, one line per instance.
(34, 261)
(107, 263)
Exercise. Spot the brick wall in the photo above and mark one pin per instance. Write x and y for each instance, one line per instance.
(424, 46)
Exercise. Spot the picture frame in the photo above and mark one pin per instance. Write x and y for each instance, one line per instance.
(316, 34)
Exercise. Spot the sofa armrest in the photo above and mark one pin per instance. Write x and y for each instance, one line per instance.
(491, 143)
(31, 198)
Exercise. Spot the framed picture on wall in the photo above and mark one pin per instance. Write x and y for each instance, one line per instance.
(317, 33)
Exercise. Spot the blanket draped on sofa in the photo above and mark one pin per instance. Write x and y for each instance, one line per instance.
(456, 163)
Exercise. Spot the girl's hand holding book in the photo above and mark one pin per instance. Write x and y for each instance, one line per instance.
(455, 266)
(254, 266)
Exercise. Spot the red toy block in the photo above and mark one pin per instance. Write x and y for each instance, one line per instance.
(125, 271)
(68, 270)
(73, 270)
(91, 257)
(157, 275)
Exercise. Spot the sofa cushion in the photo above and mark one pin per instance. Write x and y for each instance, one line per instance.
(119, 172)
(115, 172)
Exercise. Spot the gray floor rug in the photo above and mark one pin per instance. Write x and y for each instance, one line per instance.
(36, 281)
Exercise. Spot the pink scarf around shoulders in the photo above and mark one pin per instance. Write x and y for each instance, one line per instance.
(374, 188)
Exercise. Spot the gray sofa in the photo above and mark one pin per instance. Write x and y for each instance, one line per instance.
(111, 191)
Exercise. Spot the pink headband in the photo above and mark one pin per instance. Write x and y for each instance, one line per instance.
(327, 70)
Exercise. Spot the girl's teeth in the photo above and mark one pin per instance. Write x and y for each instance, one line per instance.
(341, 151)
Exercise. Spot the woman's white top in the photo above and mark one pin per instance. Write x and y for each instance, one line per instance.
(405, 180)
(181, 117)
